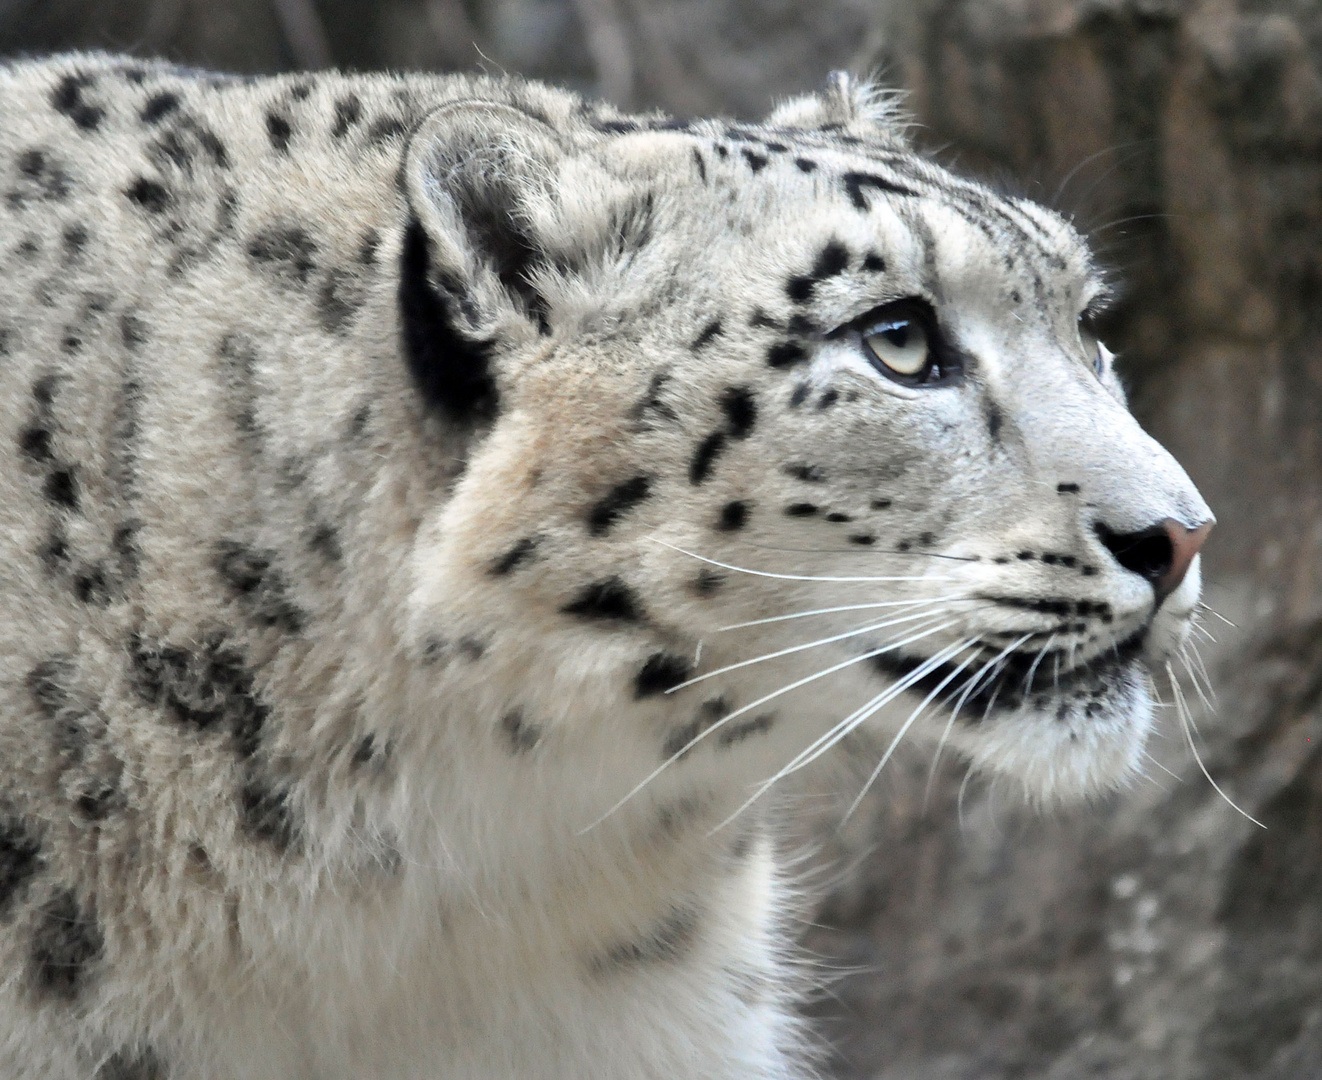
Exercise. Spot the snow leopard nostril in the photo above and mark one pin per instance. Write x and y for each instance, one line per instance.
(1161, 554)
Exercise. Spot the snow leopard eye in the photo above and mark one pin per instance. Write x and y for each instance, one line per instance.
(902, 342)
(1092, 348)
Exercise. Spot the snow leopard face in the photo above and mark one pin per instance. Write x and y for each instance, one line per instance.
(803, 432)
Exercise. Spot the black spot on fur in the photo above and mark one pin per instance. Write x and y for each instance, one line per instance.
(701, 164)
(522, 735)
(452, 372)
(287, 250)
(132, 1064)
(49, 683)
(54, 553)
(708, 582)
(799, 289)
(833, 260)
(364, 751)
(995, 419)
(159, 106)
(386, 128)
(800, 509)
(838, 518)
(609, 599)
(874, 263)
(858, 182)
(734, 516)
(20, 861)
(66, 942)
(704, 457)
(809, 474)
(652, 403)
(348, 111)
(278, 131)
(61, 489)
(325, 540)
(881, 504)
(679, 743)
(470, 648)
(92, 587)
(206, 689)
(740, 408)
(368, 248)
(709, 332)
(786, 354)
(756, 161)
(516, 556)
(73, 241)
(151, 195)
(737, 733)
(35, 443)
(863, 539)
(805, 164)
(261, 587)
(799, 395)
(265, 814)
(829, 398)
(615, 503)
(761, 319)
(1067, 489)
(67, 99)
(660, 673)
(339, 299)
(667, 942)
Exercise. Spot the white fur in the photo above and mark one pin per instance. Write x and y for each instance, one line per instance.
(461, 835)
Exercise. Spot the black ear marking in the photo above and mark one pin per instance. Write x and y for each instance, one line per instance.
(452, 371)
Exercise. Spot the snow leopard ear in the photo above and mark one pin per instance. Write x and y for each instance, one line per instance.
(846, 102)
(473, 174)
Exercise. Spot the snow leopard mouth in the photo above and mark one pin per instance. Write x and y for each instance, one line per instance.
(1036, 677)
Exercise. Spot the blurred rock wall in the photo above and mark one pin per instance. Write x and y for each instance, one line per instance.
(1160, 934)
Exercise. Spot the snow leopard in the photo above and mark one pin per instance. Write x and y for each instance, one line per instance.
(437, 514)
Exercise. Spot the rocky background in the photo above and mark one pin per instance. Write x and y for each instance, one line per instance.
(1161, 934)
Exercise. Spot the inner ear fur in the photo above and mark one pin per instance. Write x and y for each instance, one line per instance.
(473, 173)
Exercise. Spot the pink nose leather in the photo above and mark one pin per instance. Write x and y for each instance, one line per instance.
(1184, 546)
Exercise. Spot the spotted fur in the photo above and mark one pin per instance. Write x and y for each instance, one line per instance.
(383, 462)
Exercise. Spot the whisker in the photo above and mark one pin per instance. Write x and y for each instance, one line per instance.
(867, 628)
(842, 607)
(959, 799)
(1202, 670)
(969, 686)
(851, 722)
(1193, 678)
(1159, 765)
(1216, 614)
(904, 728)
(843, 728)
(1182, 710)
(1041, 654)
(789, 577)
(860, 551)
(755, 704)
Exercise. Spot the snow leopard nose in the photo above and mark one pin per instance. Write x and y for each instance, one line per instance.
(1161, 554)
